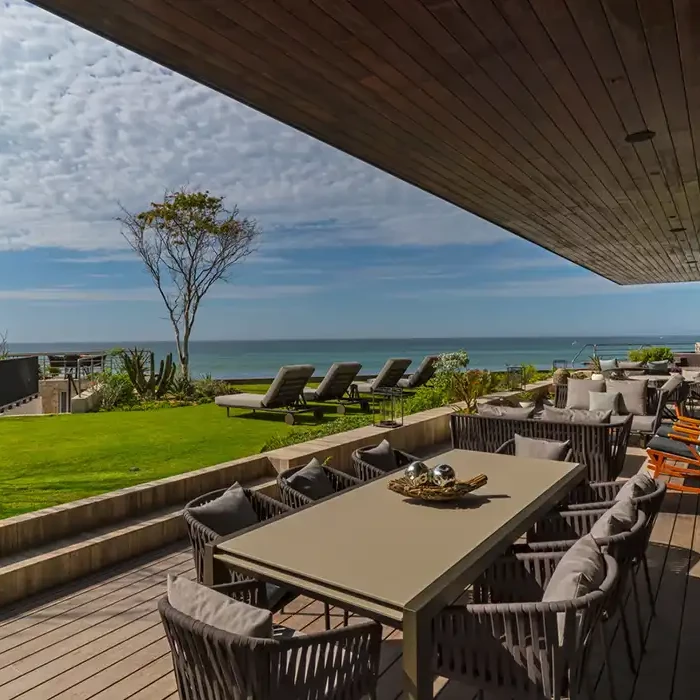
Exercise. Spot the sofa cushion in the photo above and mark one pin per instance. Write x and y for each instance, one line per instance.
(312, 481)
(629, 364)
(641, 484)
(228, 513)
(608, 365)
(218, 610)
(382, 456)
(574, 415)
(515, 412)
(643, 424)
(604, 401)
(541, 449)
(617, 519)
(658, 366)
(578, 390)
(634, 395)
(580, 571)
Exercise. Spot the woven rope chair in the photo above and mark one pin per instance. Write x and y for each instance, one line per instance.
(296, 499)
(560, 531)
(211, 664)
(505, 644)
(366, 471)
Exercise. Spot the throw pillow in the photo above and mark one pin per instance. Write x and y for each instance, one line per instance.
(604, 401)
(312, 481)
(541, 449)
(218, 610)
(515, 412)
(617, 519)
(228, 513)
(641, 484)
(633, 397)
(578, 390)
(608, 365)
(628, 364)
(580, 571)
(658, 366)
(382, 456)
(575, 415)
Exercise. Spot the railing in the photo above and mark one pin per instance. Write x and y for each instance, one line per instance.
(78, 364)
(608, 351)
(19, 379)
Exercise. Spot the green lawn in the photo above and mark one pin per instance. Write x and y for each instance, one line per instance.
(54, 459)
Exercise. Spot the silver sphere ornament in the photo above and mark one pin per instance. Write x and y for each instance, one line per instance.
(443, 475)
(417, 473)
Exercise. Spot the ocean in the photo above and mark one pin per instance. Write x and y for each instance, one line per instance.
(262, 358)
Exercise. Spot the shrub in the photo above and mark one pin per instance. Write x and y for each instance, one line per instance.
(425, 398)
(208, 388)
(530, 374)
(297, 435)
(653, 354)
(116, 391)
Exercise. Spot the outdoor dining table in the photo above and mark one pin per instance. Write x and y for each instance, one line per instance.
(372, 551)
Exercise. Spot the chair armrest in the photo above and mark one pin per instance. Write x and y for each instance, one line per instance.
(507, 448)
(564, 525)
(341, 480)
(593, 495)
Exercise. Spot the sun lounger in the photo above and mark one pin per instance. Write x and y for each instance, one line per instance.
(388, 377)
(285, 395)
(338, 386)
(424, 373)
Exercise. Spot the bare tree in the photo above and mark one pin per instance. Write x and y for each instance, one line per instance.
(4, 346)
(188, 242)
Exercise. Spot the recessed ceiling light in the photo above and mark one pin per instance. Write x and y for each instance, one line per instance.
(639, 136)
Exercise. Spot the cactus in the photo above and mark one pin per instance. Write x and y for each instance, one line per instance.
(147, 383)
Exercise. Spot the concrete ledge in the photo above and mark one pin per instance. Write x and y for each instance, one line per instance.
(88, 400)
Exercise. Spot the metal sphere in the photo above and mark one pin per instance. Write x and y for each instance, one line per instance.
(417, 473)
(443, 475)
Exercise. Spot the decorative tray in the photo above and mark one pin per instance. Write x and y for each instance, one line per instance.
(431, 492)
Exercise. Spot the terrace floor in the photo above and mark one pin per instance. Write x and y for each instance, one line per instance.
(101, 638)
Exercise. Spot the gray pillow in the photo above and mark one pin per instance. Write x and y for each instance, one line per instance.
(633, 397)
(641, 484)
(575, 415)
(516, 412)
(608, 365)
(312, 481)
(617, 519)
(578, 390)
(228, 513)
(382, 456)
(580, 571)
(658, 366)
(628, 364)
(605, 401)
(218, 610)
(541, 449)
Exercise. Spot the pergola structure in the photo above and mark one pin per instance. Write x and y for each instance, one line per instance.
(572, 123)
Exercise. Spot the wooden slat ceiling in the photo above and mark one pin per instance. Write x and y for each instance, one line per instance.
(516, 110)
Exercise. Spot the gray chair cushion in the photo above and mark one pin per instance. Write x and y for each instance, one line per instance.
(228, 513)
(580, 571)
(643, 424)
(336, 382)
(634, 395)
(541, 449)
(617, 519)
(575, 415)
(628, 364)
(516, 412)
(608, 365)
(312, 481)
(382, 456)
(604, 401)
(658, 366)
(388, 376)
(578, 390)
(218, 610)
(641, 484)
(288, 385)
(240, 401)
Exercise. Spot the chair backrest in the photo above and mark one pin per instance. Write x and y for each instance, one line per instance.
(424, 373)
(600, 446)
(337, 380)
(390, 374)
(287, 386)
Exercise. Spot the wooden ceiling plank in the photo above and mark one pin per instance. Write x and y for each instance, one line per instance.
(564, 33)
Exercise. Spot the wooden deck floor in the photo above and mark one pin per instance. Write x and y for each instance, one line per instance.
(102, 638)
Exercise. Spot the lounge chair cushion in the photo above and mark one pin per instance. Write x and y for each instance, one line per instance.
(578, 390)
(641, 484)
(579, 572)
(228, 513)
(335, 384)
(423, 374)
(364, 387)
(658, 366)
(617, 519)
(218, 610)
(604, 401)
(382, 456)
(515, 412)
(287, 386)
(541, 449)
(312, 481)
(634, 395)
(608, 365)
(575, 415)
(240, 400)
(671, 447)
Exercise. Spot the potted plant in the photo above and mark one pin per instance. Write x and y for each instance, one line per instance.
(595, 366)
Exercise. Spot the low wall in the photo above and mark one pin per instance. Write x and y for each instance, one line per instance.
(88, 400)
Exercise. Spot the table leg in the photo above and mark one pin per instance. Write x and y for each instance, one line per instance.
(417, 651)
(214, 571)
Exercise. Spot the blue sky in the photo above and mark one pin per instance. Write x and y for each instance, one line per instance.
(347, 250)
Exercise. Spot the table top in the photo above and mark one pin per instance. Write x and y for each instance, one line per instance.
(373, 545)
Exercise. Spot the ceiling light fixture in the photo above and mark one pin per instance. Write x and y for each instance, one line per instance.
(639, 136)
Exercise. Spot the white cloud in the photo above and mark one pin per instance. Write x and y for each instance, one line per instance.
(85, 124)
(99, 259)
